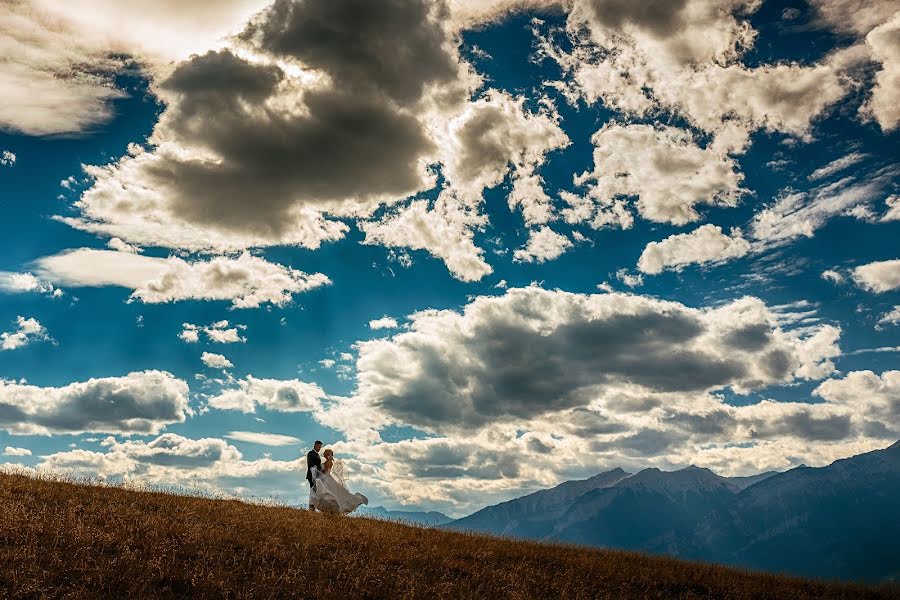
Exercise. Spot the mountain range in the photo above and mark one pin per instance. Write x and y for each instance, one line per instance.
(430, 518)
(841, 521)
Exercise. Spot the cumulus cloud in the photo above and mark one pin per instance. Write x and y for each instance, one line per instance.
(833, 276)
(706, 244)
(7, 158)
(26, 282)
(684, 57)
(329, 117)
(215, 361)
(247, 281)
(13, 451)
(857, 17)
(837, 165)
(873, 399)
(662, 168)
(534, 352)
(543, 244)
(143, 402)
(219, 332)
(263, 439)
(445, 230)
(383, 323)
(878, 277)
(251, 392)
(884, 44)
(27, 332)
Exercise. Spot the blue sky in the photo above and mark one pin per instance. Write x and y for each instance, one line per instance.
(756, 144)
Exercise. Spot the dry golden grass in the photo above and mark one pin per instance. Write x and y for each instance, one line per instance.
(65, 540)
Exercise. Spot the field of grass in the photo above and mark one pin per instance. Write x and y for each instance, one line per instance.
(65, 540)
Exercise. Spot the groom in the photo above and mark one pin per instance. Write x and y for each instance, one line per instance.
(313, 460)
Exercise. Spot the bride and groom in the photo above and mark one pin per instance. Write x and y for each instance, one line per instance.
(327, 483)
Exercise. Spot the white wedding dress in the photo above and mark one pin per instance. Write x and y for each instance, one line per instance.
(330, 493)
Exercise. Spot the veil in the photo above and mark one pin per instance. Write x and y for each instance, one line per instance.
(339, 471)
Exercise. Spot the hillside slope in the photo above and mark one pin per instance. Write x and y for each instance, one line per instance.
(76, 541)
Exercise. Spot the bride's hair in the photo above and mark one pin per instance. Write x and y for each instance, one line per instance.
(328, 451)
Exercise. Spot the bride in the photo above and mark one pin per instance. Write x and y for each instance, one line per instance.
(330, 493)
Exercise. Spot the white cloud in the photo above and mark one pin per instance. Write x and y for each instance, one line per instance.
(247, 281)
(873, 399)
(891, 317)
(630, 279)
(122, 246)
(12, 451)
(219, 332)
(801, 214)
(893, 211)
(852, 16)
(251, 392)
(327, 362)
(878, 277)
(706, 244)
(833, 276)
(445, 231)
(141, 402)
(7, 158)
(28, 331)
(384, 323)
(884, 44)
(837, 165)
(543, 245)
(215, 361)
(663, 168)
(263, 439)
(26, 282)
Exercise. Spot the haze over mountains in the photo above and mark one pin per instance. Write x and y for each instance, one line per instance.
(841, 521)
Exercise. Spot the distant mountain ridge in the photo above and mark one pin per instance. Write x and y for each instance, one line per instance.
(431, 518)
(839, 521)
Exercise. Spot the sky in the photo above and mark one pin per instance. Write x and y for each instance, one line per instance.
(476, 247)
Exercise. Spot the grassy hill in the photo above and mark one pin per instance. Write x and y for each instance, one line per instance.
(80, 541)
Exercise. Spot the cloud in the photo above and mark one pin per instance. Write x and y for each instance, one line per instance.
(543, 245)
(706, 244)
(263, 439)
(142, 402)
(884, 44)
(122, 246)
(445, 231)
(26, 282)
(28, 331)
(893, 211)
(889, 318)
(251, 392)
(383, 323)
(630, 279)
(800, 214)
(852, 16)
(683, 57)
(662, 168)
(833, 276)
(7, 158)
(878, 277)
(874, 399)
(12, 451)
(837, 165)
(218, 332)
(215, 361)
(534, 352)
(316, 109)
(247, 281)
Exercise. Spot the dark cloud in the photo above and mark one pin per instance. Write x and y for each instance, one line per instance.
(142, 402)
(659, 17)
(342, 146)
(397, 47)
(534, 352)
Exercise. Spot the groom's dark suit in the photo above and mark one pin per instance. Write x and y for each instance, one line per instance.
(312, 460)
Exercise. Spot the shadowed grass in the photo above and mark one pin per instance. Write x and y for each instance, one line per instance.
(72, 540)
